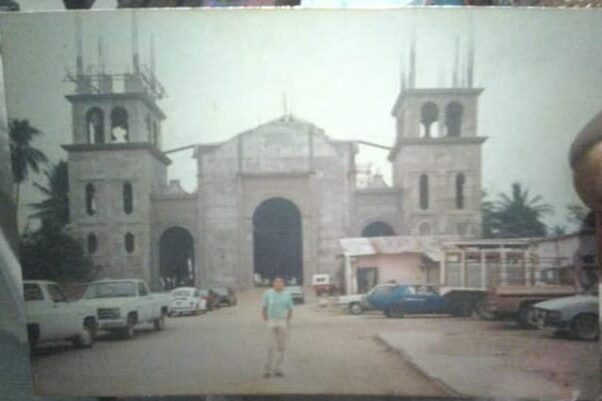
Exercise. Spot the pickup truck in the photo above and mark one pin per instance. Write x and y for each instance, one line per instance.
(121, 305)
(51, 317)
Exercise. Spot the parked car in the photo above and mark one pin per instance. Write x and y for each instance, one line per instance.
(52, 317)
(397, 300)
(211, 299)
(124, 304)
(225, 295)
(297, 294)
(577, 315)
(187, 300)
(323, 284)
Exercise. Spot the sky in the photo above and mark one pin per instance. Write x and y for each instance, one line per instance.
(227, 71)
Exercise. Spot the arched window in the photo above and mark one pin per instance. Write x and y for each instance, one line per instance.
(129, 242)
(429, 114)
(155, 133)
(90, 199)
(453, 119)
(424, 192)
(424, 229)
(95, 125)
(460, 181)
(128, 198)
(119, 125)
(92, 243)
(378, 229)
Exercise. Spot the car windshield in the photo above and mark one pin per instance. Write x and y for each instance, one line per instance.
(293, 289)
(113, 289)
(221, 291)
(181, 293)
(203, 293)
(33, 292)
(381, 290)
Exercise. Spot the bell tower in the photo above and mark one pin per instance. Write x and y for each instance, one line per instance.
(115, 159)
(437, 153)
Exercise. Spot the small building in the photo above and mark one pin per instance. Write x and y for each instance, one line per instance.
(403, 259)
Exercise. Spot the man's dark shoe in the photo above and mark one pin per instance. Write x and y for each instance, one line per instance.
(266, 375)
(278, 373)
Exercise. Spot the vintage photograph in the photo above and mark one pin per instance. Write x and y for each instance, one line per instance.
(357, 202)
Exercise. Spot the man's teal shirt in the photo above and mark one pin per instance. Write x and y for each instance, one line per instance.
(277, 304)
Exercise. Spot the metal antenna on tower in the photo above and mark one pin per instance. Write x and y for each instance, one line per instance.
(455, 82)
(470, 61)
(152, 54)
(284, 104)
(79, 61)
(101, 57)
(412, 78)
(402, 75)
(135, 52)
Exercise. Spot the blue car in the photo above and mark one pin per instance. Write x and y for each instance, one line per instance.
(397, 300)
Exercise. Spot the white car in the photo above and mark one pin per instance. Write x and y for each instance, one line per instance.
(51, 317)
(122, 305)
(187, 300)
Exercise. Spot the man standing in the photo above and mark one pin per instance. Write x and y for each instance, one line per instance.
(277, 310)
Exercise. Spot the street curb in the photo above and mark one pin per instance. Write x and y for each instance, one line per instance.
(444, 386)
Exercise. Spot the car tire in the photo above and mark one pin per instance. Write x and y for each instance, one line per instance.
(129, 332)
(87, 338)
(586, 327)
(523, 317)
(33, 335)
(159, 324)
(482, 311)
(355, 308)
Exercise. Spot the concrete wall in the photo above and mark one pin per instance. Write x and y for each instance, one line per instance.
(372, 205)
(286, 158)
(441, 162)
(401, 268)
(108, 170)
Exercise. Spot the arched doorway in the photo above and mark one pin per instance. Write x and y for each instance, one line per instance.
(176, 258)
(277, 240)
(378, 229)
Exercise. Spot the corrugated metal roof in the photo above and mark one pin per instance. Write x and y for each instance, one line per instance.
(429, 246)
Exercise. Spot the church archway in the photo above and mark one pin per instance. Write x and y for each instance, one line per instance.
(378, 229)
(277, 240)
(176, 258)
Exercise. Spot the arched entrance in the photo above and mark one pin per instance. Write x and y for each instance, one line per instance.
(378, 229)
(176, 258)
(277, 240)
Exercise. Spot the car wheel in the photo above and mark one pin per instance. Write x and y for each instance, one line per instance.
(523, 317)
(129, 331)
(159, 323)
(585, 327)
(87, 337)
(33, 334)
(482, 310)
(355, 308)
(396, 311)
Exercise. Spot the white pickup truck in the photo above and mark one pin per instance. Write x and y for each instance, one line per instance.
(121, 305)
(51, 317)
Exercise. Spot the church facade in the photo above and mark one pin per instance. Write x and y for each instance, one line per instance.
(273, 200)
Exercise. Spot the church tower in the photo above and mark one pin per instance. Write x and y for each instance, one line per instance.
(437, 153)
(115, 161)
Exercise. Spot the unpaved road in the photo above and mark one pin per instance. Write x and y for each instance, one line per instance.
(224, 352)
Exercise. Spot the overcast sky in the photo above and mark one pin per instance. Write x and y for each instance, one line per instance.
(226, 71)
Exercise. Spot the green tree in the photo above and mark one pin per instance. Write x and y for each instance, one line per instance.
(55, 208)
(24, 157)
(516, 214)
(50, 253)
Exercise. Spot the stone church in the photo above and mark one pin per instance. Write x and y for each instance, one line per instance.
(273, 200)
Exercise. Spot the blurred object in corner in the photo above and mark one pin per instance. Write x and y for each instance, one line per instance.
(9, 5)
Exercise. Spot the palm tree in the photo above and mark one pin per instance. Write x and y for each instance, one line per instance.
(23, 155)
(518, 214)
(55, 208)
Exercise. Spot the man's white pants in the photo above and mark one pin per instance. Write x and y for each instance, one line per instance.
(277, 337)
